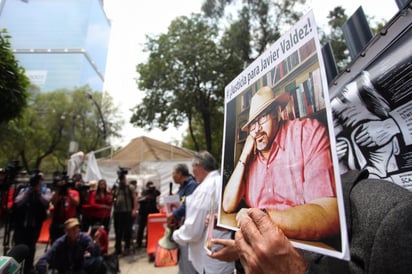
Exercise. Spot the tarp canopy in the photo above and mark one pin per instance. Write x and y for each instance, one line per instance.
(146, 159)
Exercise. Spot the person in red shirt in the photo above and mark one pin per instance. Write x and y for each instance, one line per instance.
(64, 205)
(101, 201)
(100, 238)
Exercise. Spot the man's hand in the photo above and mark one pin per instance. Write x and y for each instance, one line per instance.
(227, 253)
(264, 248)
(172, 222)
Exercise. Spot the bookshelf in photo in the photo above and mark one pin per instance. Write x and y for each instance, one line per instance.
(299, 75)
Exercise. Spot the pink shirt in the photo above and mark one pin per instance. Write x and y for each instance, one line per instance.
(298, 170)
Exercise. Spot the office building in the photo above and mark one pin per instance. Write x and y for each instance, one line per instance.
(60, 43)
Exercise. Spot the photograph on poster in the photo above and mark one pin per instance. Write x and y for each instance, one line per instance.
(171, 203)
(373, 111)
(279, 145)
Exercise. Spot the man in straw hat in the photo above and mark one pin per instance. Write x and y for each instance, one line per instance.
(286, 169)
(74, 252)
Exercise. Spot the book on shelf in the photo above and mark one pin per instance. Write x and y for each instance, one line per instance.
(307, 49)
(291, 89)
(316, 81)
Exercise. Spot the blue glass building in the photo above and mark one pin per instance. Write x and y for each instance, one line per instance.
(60, 43)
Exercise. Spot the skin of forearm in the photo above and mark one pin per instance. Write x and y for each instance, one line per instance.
(233, 189)
(313, 221)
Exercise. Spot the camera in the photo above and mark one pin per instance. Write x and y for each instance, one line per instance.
(122, 172)
(10, 173)
(61, 182)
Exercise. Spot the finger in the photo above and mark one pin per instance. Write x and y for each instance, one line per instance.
(224, 242)
(245, 251)
(249, 232)
(262, 221)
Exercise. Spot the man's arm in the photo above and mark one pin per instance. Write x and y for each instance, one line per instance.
(312, 221)
(192, 229)
(135, 204)
(234, 189)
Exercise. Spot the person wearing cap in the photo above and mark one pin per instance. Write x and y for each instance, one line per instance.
(285, 168)
(74, 252)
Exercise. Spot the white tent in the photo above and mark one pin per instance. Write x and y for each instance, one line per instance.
(146, 159)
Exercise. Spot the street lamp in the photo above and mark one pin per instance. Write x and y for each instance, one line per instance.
(89, 95)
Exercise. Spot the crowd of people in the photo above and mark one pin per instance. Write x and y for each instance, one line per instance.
(81, 215)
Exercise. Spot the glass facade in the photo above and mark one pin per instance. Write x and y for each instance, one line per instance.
(60, 43)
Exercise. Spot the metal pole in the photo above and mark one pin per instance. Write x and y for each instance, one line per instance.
(89, 95)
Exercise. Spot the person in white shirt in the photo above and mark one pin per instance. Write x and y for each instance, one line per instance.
(193, 231)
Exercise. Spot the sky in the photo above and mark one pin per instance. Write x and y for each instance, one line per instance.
(132, 20)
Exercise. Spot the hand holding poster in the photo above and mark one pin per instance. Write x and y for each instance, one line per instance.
(279, 154)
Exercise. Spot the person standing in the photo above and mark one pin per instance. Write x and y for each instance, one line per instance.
(124, 211)
(101, 200)
(147, 205)
(175, 219)
(193, 231)
(65, 201)
(31, 205)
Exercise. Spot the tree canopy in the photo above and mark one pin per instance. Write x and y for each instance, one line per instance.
(189, 66)
(40, 137)
(184, 78)
(13, 82)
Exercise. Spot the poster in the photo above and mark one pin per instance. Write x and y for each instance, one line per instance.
(372, 106)
(279, 147)
(171, 203)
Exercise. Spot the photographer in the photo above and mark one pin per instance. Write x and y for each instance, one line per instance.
(124, 211)
(31, 206)
(147, 205)
(65, 202)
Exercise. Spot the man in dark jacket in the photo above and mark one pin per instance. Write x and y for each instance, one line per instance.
(187, 184)
(73, 252)
(147, 205)
(31, 206)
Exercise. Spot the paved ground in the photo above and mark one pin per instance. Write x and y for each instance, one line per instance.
(135, 263)
(140, 263)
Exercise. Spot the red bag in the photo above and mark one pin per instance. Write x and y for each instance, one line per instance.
(166, 257)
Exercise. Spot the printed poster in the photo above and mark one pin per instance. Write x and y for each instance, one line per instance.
(279, 151)
(372, 107)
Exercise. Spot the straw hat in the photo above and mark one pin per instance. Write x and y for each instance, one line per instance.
(262, 99)
(70, 223)
(92, 184)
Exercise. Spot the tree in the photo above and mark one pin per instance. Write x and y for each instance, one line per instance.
(257, 24)
(13, 82)
(40, 138)
(336, 19)
(188, 67)
(184, 79)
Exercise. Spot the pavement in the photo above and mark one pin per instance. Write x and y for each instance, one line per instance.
(139, 262)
